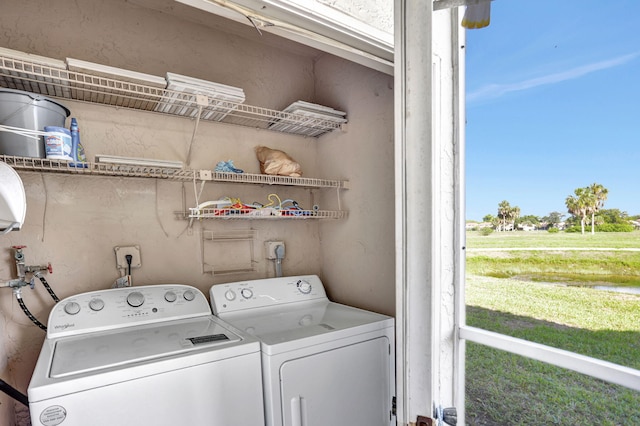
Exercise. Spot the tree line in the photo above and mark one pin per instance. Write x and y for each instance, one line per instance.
(585, 205)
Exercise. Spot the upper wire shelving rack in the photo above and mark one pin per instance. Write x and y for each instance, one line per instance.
(60, 82)
(78, 86)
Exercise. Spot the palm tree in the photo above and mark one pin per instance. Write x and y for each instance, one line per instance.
(514, 214)
(578, 205)
(504, 209)
(599, 196)
(507, 214)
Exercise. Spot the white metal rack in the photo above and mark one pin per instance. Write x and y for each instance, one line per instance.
(125, 170)
(62, 83)
(279, 180)
(231, 214)
(34, 164)
(54, 80)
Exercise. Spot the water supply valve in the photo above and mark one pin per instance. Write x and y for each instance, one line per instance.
(16, 284)
(22, 269)
(19, 257)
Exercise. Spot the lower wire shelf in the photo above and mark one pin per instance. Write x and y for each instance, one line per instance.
(264, 214)
(127, 170)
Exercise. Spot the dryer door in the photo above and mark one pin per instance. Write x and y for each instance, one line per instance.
(343, 386)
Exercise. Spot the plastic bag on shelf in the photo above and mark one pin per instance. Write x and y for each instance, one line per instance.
(276, 162)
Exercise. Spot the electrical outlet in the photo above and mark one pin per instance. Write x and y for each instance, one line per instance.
(270, 247)
(121, 256)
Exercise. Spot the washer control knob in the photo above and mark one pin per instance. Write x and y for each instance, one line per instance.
(72, 308)
(230, 295)
(135, 299)
(304, 286)
(96, 304)
(246, 293)
(189, 295)
(170, 296)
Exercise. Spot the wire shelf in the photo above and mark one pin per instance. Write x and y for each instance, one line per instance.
(257, 214)
(126, 170)
(35, 164)
(62, 83)
(278, 180)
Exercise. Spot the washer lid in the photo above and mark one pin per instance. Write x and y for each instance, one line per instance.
(311, 323)
(99, 351)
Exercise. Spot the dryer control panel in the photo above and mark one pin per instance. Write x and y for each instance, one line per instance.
(241, 295)
(123, 307)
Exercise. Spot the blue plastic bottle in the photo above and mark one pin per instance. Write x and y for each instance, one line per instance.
(77, 150)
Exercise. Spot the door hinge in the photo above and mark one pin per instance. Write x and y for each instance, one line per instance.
(394, 411)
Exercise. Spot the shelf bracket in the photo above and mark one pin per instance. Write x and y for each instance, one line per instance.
(205, 175)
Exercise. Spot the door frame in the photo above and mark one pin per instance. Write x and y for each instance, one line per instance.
(429, 174)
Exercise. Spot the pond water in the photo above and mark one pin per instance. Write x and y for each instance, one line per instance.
(617, 283)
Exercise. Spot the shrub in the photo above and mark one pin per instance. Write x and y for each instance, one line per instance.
(486, 231)
(614, 227)
(606, 227)
(553, 230)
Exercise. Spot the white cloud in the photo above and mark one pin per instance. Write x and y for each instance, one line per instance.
(496, 90)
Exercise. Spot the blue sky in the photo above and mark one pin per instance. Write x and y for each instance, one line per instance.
(553, 104)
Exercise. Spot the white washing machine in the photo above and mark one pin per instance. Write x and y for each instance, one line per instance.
(145, 355)
(323, 363)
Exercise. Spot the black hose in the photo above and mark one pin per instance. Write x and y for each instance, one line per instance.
(129, 258)
(48, 287)
(13, 393)
(30, 315)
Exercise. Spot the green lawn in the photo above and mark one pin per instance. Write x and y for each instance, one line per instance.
(514, 262)
(506, 389)
(520, 239)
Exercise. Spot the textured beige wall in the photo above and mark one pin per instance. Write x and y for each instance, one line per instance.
(366, 276)
(75, 222)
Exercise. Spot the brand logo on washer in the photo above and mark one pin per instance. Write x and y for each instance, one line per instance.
(64, 326)
(53, 416)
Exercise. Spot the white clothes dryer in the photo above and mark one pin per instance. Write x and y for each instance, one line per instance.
(145, 355)
(323, 363)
